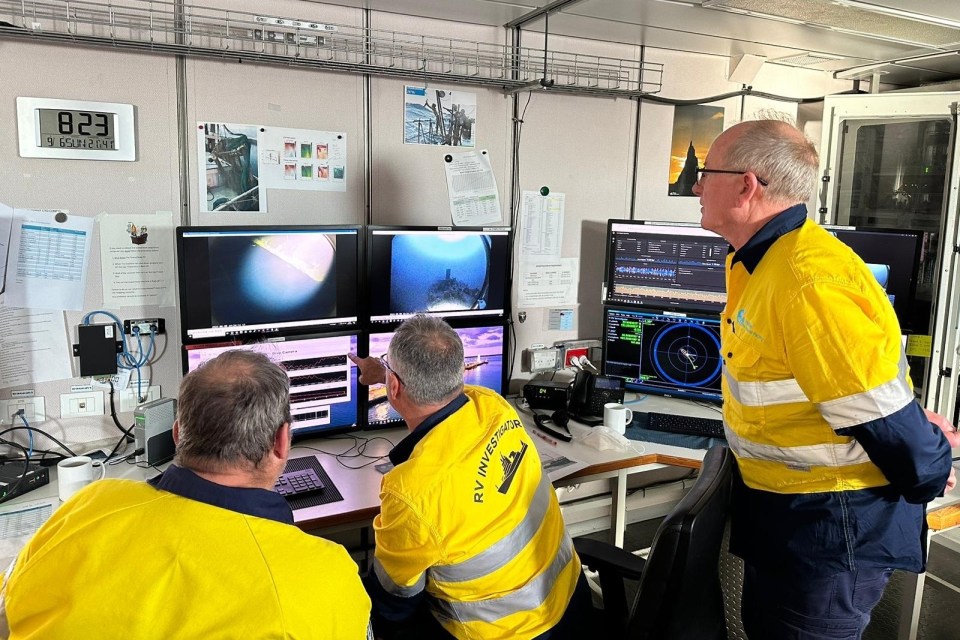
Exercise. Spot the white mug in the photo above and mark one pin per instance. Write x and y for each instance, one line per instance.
(617, 417)
(75, 473)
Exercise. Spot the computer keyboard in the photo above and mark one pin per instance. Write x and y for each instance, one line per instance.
(298, 483)
(686, 425)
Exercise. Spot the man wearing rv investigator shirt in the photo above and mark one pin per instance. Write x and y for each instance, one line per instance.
(836, 459)
(470, 539)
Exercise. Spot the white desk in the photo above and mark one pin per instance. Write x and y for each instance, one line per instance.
(361, 487)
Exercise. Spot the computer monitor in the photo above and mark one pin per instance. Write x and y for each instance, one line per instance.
(663, 265)
(257, 281)
(664, 352)
(454, 273)
(323, 381)
(893, 256)
(484, 358)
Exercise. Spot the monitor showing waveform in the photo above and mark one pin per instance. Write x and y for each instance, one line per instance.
(669, 265)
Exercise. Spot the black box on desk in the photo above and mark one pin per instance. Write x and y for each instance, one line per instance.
(10, 472)
(547, 394)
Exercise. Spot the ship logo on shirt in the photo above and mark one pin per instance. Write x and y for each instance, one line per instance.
(747, 325)
(489, 453)
(511, 463)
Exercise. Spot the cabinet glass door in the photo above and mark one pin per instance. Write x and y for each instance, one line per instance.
(893, 174)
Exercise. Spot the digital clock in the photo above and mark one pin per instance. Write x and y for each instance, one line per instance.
(75, 129)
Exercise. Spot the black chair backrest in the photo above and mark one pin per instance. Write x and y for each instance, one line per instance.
(680, 596)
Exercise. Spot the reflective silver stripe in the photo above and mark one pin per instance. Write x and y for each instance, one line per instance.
(800, 457)
(764, 394)
(874, 404)
(527, 598)
(392, 587)
(505, 549)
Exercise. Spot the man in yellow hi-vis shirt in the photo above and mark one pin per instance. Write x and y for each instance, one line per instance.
(207, 549)
(836, 458)
(470, 539)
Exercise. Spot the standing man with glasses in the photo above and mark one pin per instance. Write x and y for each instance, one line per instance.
(470, 539)
(836, 458)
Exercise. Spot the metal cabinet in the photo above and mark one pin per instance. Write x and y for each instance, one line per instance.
(889, 161)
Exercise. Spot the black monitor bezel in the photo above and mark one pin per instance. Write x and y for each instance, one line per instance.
(712, 398)
(335, 325)
(373, 282)
(652, 303)
(901, 307)
(308, 432)
(380, 329)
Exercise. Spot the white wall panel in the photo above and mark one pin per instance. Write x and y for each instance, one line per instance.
(87, 188)
(582, 147)
(277, 96)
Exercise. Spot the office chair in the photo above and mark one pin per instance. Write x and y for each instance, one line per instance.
(679, 596)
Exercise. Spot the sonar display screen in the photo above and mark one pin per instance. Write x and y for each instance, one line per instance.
(673, 354)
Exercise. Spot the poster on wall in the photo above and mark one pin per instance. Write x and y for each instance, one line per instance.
(439, 117)
(229, 171)
(303, 159)
(136, 257)
(695, 127)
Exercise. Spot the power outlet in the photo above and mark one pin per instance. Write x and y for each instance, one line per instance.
(574, 354)
(81, 404)
(33, 410)
(129, 400)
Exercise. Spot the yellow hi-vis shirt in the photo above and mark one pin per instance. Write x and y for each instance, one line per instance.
(125, 560)
(471, 518)
(811, 344)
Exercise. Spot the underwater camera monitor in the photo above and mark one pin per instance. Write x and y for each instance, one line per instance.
(449, 272)
(258, 281)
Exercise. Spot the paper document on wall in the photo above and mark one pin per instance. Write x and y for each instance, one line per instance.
(303, 159)
(548, 283)
(6, 222)
(541, 224)
(472, 187)
(33, 346)
(136, 254)
(47, 263)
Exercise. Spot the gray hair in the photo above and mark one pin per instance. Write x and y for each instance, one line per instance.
(778, 152)
(229, 411)
(427, 354)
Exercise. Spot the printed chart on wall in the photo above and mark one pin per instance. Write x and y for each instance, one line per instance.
(303, 159)
(229, 172)
(439, 117)
(695, 127)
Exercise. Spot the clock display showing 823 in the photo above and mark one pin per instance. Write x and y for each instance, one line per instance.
(75, 129)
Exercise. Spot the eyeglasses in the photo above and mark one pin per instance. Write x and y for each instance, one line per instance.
(700, 173)
(386, 365)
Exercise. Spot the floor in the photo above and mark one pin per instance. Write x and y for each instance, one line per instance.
(940, 608)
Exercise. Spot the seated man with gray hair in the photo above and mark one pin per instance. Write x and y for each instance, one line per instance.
(470, 539)
(207, 549)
